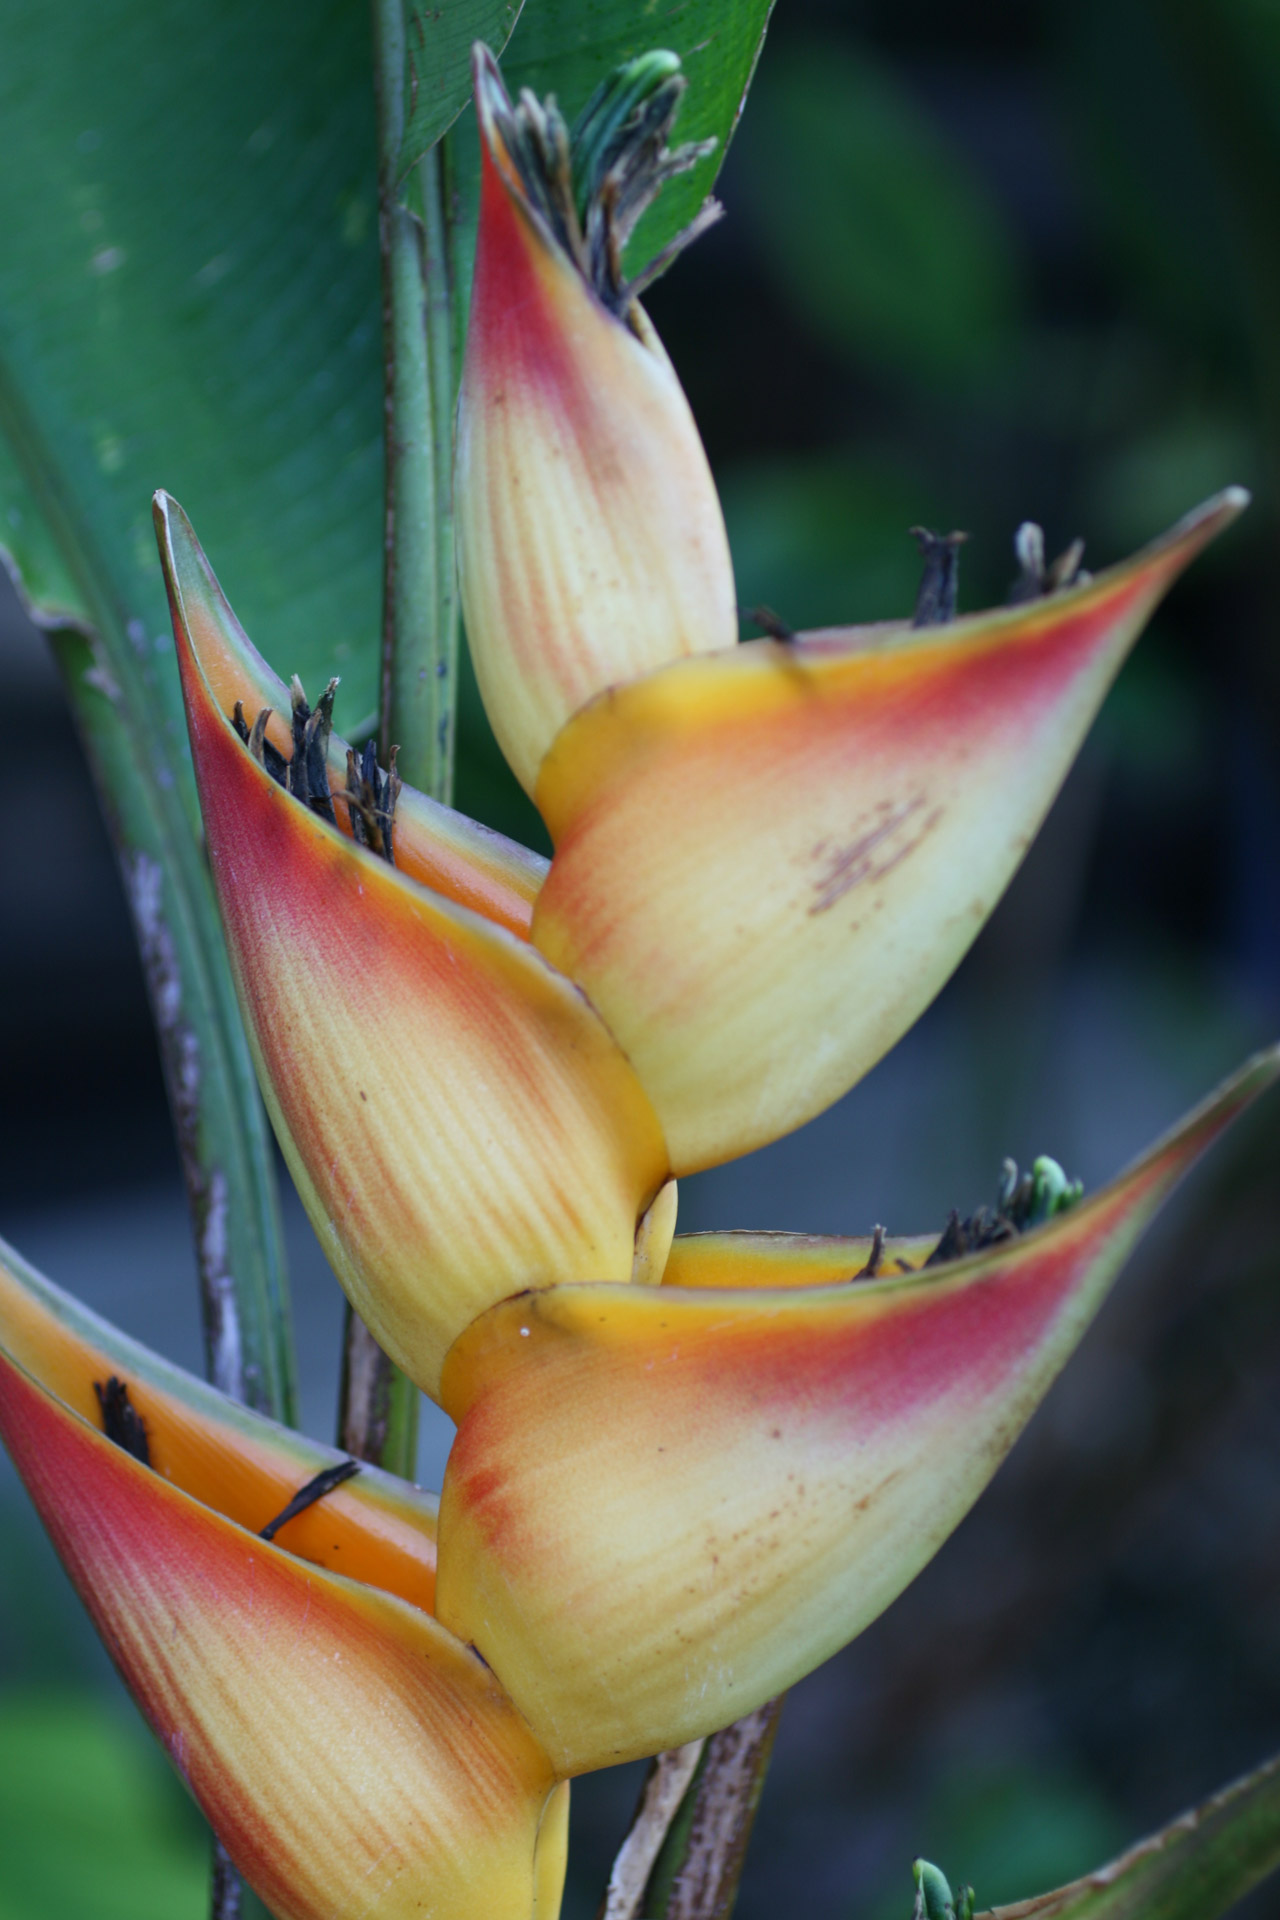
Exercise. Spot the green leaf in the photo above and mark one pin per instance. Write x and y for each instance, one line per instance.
(438, 82)
(882, 236)
(189, 298)
(188, 295)
(1193, 1869)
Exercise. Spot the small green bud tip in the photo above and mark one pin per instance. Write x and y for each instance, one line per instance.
(1052, 1193)
(594, 143)
(934, 1898)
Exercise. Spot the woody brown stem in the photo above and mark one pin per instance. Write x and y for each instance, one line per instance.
(701, 1835)
(378, 1406)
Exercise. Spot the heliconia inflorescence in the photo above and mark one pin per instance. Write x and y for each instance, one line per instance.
(687, 1469)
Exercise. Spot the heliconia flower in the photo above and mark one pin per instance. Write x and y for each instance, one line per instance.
(351, 1753)
(666, 1504)
(459, 1122)
(591, 546)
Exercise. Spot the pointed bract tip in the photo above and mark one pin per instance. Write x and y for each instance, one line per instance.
(490, 90)
(175, 534)
(1205, 522)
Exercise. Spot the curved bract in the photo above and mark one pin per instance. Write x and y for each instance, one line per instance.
(458, 1121)
(354, 1757)
(446, 851)
(665, 1504)
(591, 545)
(769, 860)
(375, 1528)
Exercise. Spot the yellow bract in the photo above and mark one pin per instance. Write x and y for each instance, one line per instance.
(768, 861)
(591, 546)
(459, 1122)
(665, 1504)
(351, 1753)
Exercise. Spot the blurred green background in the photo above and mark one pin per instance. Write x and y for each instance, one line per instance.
(979, 265)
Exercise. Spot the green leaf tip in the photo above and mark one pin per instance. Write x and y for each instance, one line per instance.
(650, 85)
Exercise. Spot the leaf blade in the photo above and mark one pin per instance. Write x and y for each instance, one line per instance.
(438, 61)
(1193, 1869)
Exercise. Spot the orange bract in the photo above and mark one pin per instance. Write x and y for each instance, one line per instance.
(376, 1528)
(665, 1504)
(769, 860)
(459, 1123)
(591, 546)
(352, 1755)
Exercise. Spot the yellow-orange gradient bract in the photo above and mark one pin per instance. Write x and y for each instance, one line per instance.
(354, 1757)
(465, 862)
(769, 860)
(665, 1504)
(375, 1528)
(459, 1122)
(591, 545)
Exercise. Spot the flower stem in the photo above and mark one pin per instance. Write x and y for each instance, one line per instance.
(420, 620)
(436, 191)
(377, 1404)
(694, 1842)
(111, 677)
(226, 1889)
(378, 1415)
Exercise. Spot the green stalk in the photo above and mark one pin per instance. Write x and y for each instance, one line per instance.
(433, 184)
(419, 626)
(378, 1407)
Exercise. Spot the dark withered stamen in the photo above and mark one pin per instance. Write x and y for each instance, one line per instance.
(123, 1425)
(769, 622)
(940, 581)
(592, 184)
(315, 1489)
(984, 1228)
(371, 795)
(308, 778)
(255, 738)
(874, 1258)
(1035, 578)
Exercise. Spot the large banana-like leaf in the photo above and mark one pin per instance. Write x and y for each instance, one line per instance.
(189, 297)
(437, 80)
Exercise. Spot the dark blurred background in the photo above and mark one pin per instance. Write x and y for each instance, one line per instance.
(979, 265)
